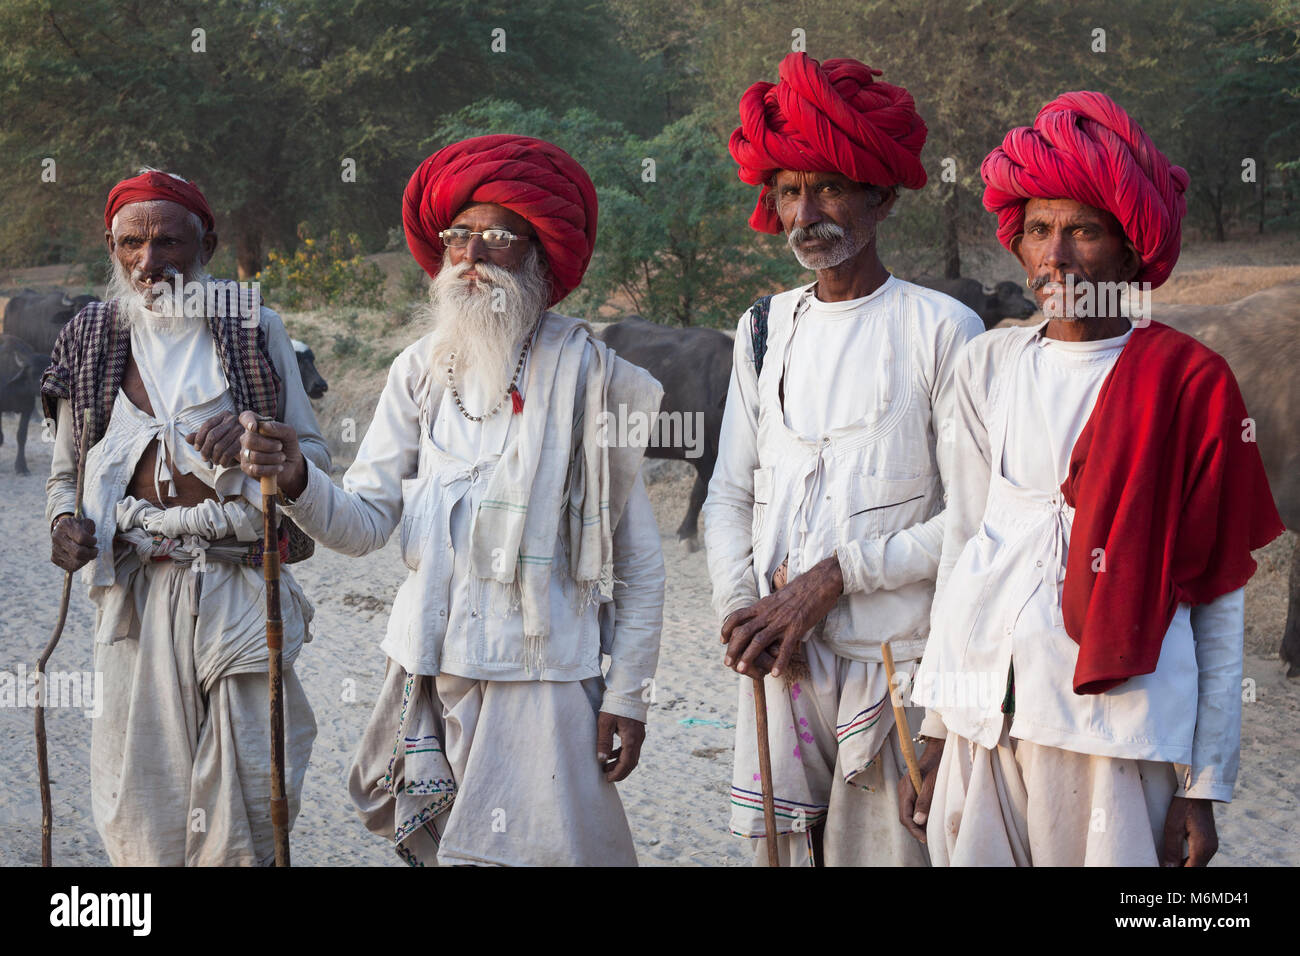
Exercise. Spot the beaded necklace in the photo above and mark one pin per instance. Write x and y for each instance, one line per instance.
(512, 393)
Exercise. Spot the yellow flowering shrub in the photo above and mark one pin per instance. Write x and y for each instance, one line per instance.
(323, 271)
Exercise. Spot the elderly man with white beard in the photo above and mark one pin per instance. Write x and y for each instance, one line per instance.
(824, 521)
(530, 542)
(180, 757)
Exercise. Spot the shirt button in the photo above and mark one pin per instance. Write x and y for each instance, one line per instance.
(442, 612)
(1039, 563)
(473, 613)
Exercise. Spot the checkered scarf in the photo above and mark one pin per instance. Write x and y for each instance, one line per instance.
(89, 361)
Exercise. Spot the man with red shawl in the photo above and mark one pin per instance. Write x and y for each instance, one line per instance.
(1085, 647)
(824, 520)
(531, 546)
(180, 766)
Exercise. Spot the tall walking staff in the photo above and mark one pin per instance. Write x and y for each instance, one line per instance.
(274, 675)
(900, 719)
(42, 755)
(765, 771)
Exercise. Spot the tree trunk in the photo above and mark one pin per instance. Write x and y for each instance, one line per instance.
(248, 251)
(951, 243)
(1216, 207)
(1262, 186)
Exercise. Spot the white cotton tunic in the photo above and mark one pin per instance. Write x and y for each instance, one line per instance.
(825, 367)
(847, 463)
(426, 470)
(1000, 605)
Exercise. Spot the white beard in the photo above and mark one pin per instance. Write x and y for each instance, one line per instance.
(136, 306)
(844, 245)
(484, 323)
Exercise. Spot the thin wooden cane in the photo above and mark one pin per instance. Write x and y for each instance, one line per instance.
(42, 753)
(900, 719)
(274, 671)
(765, 771)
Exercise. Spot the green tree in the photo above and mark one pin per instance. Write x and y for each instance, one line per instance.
(266, 103)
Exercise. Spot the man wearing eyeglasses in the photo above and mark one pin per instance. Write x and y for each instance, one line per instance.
(824, 521)
(530, 542)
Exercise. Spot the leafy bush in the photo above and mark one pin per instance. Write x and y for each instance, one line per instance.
(413, 283)
(325, 271)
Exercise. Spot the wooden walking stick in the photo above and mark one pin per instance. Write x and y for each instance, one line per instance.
(765, 771)
(900, 719)
(274, 675)
(42, 755)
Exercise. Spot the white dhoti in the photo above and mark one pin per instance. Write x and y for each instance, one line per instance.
(835, 761)
(471, 772)
(1025, 804)
(180, 764)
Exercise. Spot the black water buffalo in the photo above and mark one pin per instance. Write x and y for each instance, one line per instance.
(1006, 301)
(20, 385)
(38, 317)
(313, 383)
(694, 367)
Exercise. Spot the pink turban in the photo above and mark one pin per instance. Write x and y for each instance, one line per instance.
(1084, 147)
(531, 177)
(153, 186)
(831, 117)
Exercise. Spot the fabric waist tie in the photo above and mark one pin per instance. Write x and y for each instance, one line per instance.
(191, 549)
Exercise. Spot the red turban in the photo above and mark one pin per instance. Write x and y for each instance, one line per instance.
(531, 177)
(1084, 147)
(153, 186)
(823, 118)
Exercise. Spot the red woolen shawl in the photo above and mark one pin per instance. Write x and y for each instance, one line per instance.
(1164, 482)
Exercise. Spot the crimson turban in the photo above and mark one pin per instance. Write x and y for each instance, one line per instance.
(153, 186)
(1084, 147)
(531, 177)
(824, 118)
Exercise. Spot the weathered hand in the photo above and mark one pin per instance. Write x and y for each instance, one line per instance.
(914, 811)
(272, 450)
(72, 542)
(618, 763)
(218, 439)
(780, 620)
(1192, 820)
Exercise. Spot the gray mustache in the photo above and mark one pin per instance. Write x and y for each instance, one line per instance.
(818, 230)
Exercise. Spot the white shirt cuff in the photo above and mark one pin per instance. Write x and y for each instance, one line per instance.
(621, 706)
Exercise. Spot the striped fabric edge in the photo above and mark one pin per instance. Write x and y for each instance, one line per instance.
(809, 813)
(863, 720)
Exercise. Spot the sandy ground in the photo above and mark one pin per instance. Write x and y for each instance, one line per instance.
(676, 800)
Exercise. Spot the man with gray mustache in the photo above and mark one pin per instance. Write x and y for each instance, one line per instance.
(824, 521)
